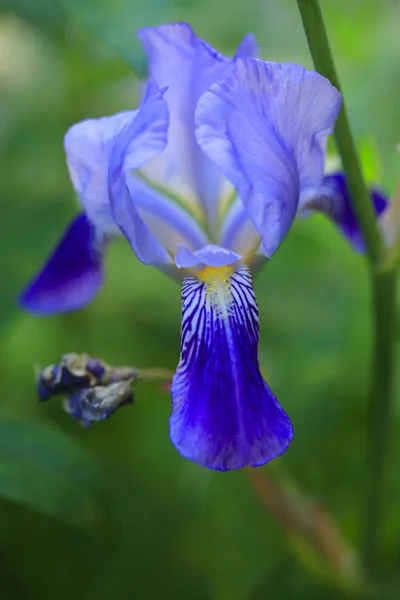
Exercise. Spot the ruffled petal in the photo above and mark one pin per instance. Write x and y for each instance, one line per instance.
(224, 415)
(142, 138)
(266, 126)
(72, 276)
(188, 66)
(333, 199)
(88, 146)
(209, 256)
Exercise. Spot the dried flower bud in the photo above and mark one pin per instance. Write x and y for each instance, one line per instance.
(93, 389)
(91, 404)
(69, 374)
(77, 371)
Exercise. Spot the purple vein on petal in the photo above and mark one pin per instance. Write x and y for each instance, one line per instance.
(224, 414)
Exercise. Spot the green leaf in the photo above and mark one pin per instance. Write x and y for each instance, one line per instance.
(46, 471)
(45, 13)
(115, 23)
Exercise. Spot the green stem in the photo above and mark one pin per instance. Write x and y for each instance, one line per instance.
(158, 373)
(384, 295)
(380, 410)
(320, 51)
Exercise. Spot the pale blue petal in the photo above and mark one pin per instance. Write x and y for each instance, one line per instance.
(248, 47)
(238, 232)
(88, 146)
(188, 66)
(210, 256)
(266, 128)
(168, 222)
(143, 137)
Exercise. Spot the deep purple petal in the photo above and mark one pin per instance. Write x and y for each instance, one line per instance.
(142, 138)
(224, 415)
(188, 66)
(333, 199)
(266, 127)
(210, 256)
(72, 276)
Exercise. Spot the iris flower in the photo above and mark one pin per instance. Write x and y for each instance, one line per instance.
(333, 200)
(204, 181)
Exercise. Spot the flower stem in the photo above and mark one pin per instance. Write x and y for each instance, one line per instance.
(320, 51)
(380, 410)
(383, 282)
(157, 373)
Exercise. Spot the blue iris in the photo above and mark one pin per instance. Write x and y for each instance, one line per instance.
(204, 180)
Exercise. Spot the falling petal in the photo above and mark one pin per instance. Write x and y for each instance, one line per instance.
(224, 415)
(333, 199)
(72, 276)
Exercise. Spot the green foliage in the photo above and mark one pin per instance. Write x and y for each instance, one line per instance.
(181, 532)
(115, 23)
(46, 471)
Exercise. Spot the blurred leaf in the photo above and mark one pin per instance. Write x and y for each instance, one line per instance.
(115, 22)
(46, 13)
(44, 470)
(370, 159)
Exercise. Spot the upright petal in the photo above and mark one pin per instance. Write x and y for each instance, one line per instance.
(248, 47)
(266, 126)
(72, 276)
(88, 146)
(238, 232)
(188, 66)
(224, 415)
(333, 199)
(144, 137)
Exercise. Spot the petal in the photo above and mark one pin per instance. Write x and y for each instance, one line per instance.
(88, 147)
(248, 47)
(266, 128)
(224, 415)
(90, 144)
(333, 199)
(142, 138)
(72, 276)
(188, 66)
(210, 256)
(166, 219)
(238, 232)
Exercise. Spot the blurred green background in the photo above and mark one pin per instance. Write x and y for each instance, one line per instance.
(114, 511)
